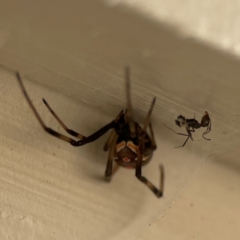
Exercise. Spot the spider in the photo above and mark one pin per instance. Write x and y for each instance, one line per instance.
(192, 124)
(128, 144)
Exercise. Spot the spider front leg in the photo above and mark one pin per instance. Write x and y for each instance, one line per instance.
(47, 129)
(71, 132)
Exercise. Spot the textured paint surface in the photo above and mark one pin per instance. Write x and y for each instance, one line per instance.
(74, 55)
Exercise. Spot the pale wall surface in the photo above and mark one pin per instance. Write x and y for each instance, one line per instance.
(73, 54)
(214, 22)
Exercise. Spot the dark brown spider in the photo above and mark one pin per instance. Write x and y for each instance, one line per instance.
(191, 124)
(128, 144)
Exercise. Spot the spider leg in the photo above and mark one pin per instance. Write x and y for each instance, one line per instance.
(81, 142)
(184, 143)
(189, 135)
(154, 145)
(192, 130)
(109, 141)
(189, 131)
(147, 120)
(129, 119)
(158, 192)
(108, 172)
(47, 129)
(98, 133)
(147, 124)
(175, 131)
(71, 132)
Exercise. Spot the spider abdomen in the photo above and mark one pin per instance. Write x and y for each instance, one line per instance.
(126, 154)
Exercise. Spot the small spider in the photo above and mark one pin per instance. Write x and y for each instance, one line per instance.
(191, 124)
(128, 144)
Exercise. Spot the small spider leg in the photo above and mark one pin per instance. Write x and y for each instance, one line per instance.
(189, 131)
(189, 135)
(184, 143)
(71, 132)
(192, 130)
(108, 172)
(158, 192)
(175, 131)
(129, 105)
